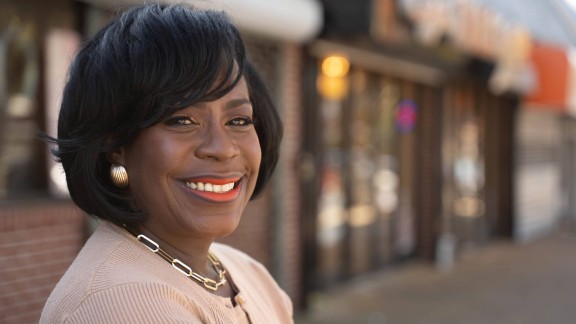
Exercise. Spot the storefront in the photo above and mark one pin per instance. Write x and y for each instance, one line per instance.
(408, 150)
(477, 164)
(506, 151)
(371, 160)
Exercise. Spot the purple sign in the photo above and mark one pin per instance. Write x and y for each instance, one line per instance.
(406, 112)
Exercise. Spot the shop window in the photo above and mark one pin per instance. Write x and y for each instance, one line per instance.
(21, 154)
(464, 157)
(37, 40)
(365, 205)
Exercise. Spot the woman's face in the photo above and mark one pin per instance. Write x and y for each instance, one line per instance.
(194, 172)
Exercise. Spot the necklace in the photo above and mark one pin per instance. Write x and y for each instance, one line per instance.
(183, 267)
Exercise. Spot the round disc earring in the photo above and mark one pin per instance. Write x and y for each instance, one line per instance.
(119, 176)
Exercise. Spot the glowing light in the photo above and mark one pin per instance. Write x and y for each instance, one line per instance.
(332, 82)
(332, 88)
(335, 66)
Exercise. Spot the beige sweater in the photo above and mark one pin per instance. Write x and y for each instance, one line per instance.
(116, 279)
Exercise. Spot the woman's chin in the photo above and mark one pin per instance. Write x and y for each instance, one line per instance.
(220, 230)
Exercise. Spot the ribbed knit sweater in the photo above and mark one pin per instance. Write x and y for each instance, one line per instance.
(116, 279)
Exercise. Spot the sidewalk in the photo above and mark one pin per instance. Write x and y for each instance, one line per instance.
(503, 283)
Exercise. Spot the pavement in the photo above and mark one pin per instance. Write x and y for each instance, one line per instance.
(501, 283)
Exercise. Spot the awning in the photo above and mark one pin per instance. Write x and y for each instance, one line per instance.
(540, 70)
(286, 20)
(479, 31)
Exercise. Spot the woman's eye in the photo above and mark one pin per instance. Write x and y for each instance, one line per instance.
(179, 121)
(241, 121)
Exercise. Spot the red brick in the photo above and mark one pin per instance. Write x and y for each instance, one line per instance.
(37, 244)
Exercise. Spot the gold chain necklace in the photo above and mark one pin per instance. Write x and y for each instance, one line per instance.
(183, 267)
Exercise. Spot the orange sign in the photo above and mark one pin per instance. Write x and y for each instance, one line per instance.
(552, 68)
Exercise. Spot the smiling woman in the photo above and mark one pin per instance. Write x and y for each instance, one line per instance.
(165, 134)
(209, 145)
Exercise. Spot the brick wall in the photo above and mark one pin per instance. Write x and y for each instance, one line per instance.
(37, 244)
(289, 176)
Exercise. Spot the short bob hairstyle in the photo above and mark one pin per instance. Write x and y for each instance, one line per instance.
(146, 64)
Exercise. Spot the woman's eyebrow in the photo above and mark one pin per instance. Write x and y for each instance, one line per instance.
(237, 102)
(229, 105)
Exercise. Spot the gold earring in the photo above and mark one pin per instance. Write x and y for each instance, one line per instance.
(119, 175)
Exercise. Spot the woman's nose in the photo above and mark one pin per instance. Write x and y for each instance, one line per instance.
(216, 143)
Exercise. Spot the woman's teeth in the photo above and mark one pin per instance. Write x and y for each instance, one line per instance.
(201, 186)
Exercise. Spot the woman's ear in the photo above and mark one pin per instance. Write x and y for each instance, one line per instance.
(116, 156)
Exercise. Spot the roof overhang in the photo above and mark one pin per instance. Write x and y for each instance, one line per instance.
(292, 21)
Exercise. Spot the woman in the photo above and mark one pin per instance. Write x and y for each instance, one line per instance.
(165, 133)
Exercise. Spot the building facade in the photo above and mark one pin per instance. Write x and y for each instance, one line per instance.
(422, 146)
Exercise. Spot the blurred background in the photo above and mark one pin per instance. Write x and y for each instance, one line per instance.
(429, 145)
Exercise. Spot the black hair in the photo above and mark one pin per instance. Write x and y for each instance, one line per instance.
(147, 63)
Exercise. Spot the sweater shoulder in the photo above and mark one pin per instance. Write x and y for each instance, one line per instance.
(134, 302)
(109, 259)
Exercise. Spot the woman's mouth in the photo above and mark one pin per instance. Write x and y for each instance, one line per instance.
(211, 187)
(217, 190)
